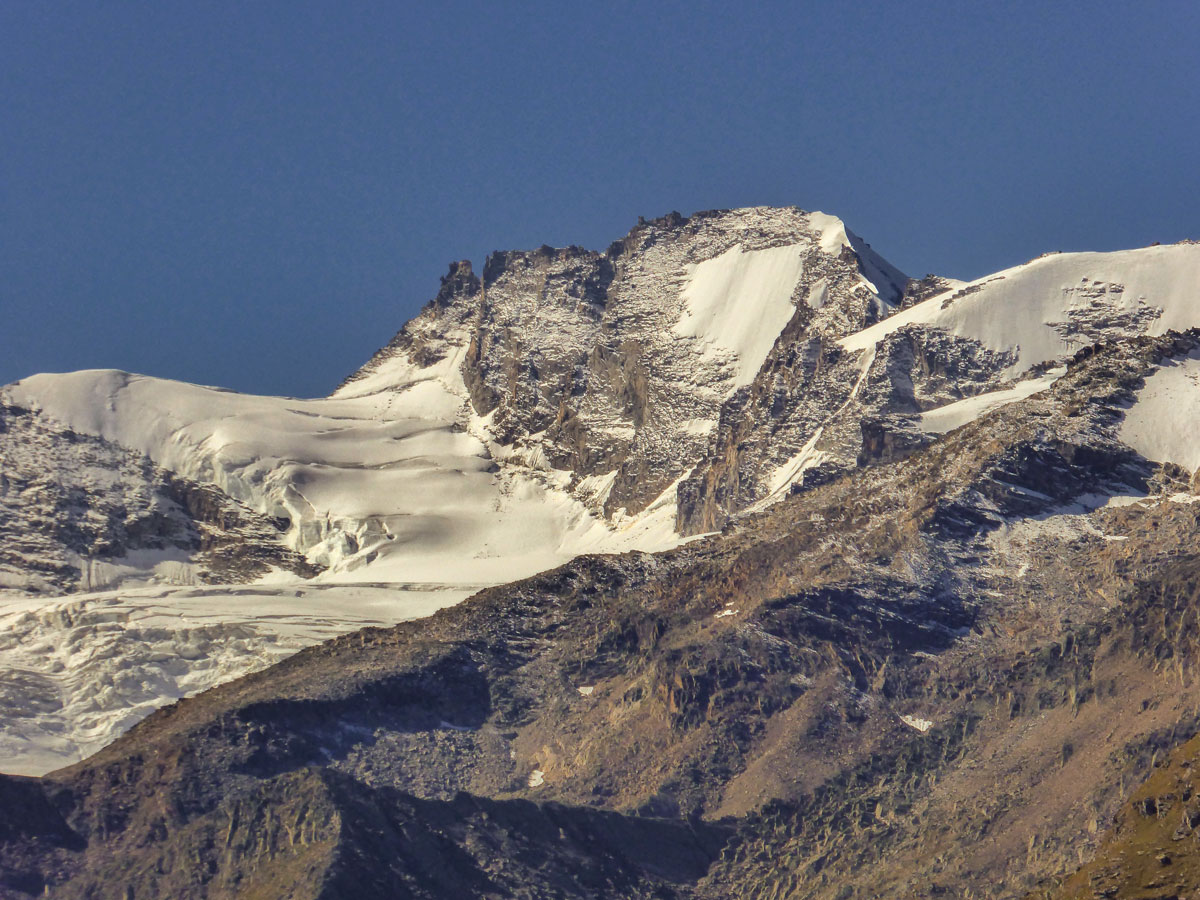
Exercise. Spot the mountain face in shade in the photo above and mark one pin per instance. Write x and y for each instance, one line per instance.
(851, 585)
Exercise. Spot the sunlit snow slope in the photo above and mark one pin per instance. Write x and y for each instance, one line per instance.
(1164, 422)
(385, 485)
(1058, 303)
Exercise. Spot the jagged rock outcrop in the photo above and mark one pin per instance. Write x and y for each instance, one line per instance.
(657, 357)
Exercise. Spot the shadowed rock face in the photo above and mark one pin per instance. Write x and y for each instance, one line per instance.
(315, 833)
(938, 676)
(72, 505)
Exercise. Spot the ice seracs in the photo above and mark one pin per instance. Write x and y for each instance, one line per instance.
(388, 485)
(77, 671)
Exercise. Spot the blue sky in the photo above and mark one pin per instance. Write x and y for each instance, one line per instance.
(257, 195)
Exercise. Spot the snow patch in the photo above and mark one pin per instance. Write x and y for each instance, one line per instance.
(831, 232)
(818, 294)
(1163, 424)
(699, 427)
(738, 303)
(954, 415)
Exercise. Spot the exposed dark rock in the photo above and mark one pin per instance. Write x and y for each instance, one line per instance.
(72, 503)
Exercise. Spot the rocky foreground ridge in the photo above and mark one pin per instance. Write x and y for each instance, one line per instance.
(934, 644)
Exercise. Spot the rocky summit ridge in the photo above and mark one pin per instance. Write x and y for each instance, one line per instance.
(619, 367)
(919, 620)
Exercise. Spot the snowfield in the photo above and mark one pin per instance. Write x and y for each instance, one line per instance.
(955, 415)
(391, 479)
(1056, 304)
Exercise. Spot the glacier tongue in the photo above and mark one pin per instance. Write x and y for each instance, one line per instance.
(77, 672)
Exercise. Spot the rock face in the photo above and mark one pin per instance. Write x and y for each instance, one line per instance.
(315, 833)
(78, 512)
(940, 625)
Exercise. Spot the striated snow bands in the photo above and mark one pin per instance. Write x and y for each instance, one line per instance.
(720, 290)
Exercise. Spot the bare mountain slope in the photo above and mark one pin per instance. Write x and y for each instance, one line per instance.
(937, 675)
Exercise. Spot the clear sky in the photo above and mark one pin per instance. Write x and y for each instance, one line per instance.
(258, 194)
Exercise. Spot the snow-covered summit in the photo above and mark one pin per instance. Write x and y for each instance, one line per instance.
(544, 411)
(569, 400)
(618, 366)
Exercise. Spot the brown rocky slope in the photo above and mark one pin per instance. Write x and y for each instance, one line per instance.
(939, 676)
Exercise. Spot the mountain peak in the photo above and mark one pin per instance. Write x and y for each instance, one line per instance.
(573, 401)
(946, 530)
(617, 365)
